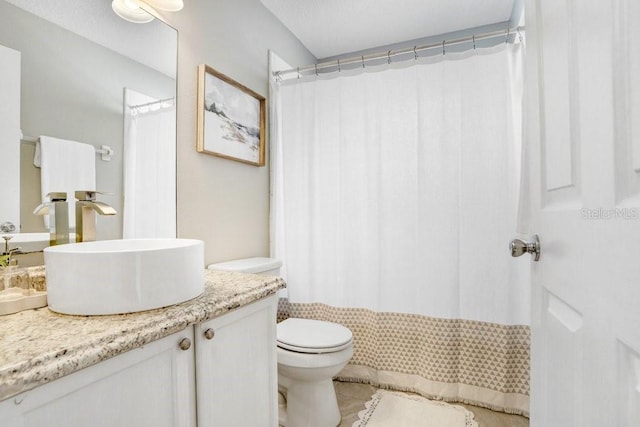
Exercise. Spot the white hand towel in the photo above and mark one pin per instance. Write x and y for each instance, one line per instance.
(66, 166)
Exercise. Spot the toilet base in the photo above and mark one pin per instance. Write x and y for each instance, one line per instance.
(309, 403)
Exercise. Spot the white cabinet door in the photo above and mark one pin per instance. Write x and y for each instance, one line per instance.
(149, 386)
(584, 136)
(237, 368)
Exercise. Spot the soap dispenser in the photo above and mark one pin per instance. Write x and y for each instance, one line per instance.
(58, 211)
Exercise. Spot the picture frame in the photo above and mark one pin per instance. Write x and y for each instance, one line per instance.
(231, 118)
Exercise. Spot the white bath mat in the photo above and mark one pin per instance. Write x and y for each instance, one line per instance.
(393, 409)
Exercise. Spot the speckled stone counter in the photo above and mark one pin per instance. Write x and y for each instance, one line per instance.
(38, 346)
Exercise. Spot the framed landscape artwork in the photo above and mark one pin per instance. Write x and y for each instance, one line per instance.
(230, 118)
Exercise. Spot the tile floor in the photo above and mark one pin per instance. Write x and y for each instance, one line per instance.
(353, 396)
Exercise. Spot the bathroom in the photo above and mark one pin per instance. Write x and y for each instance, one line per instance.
(585, 346)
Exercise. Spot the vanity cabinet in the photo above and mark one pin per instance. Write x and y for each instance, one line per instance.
(149, 386)
(236, 366)
(228, 362)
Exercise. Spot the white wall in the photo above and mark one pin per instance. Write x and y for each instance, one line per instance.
(222, 202)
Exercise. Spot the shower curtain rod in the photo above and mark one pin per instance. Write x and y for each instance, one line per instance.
(392, 53)
(151, 103)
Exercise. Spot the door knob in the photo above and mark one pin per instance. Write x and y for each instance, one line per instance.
(519, 247)
(7, 227)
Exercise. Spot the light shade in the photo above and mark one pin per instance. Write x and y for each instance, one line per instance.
(131, 11)
(166, 5)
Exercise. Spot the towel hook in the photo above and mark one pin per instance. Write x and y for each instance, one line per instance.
(105, 152)
(389, 57)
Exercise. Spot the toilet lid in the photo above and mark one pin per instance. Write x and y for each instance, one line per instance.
(312, 336)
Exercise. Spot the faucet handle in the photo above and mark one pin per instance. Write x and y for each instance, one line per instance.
(57, 196)
(89, 195)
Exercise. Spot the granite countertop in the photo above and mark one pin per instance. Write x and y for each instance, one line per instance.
(38, 346)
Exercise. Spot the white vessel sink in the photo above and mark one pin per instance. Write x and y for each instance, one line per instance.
(123, 276)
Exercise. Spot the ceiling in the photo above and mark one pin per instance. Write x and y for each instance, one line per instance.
(334, 27)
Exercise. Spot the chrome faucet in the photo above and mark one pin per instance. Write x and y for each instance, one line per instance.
(86, 208)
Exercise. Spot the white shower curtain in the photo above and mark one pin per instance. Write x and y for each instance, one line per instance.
(397, 192)
(150, 173)
(401, 188)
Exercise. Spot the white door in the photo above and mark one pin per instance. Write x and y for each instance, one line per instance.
(583, 131)
(10, 136)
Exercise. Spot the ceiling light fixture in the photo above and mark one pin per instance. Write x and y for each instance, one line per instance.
(131, 11)
(134, 10)
(166, 5)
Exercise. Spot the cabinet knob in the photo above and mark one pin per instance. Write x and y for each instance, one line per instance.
(209, 334)
(185, 344)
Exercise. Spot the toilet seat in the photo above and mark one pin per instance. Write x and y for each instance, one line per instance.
(312, 336)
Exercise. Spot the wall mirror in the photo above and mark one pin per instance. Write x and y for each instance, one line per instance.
(88, 76)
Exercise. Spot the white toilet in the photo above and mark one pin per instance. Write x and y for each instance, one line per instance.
(310, 354)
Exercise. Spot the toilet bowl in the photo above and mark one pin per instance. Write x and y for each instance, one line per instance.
(310, 353)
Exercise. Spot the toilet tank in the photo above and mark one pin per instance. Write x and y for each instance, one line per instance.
(256, 265)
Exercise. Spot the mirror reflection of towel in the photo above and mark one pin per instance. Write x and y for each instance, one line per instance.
(66, 166)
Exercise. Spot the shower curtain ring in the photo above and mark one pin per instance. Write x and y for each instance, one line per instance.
(415, 54)
(389, 57)
(298, 71)
(339, 69)
(362, 57)
(316, 69)
(474, 42)
(506, 40)
(519, 35)
(443, 51)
